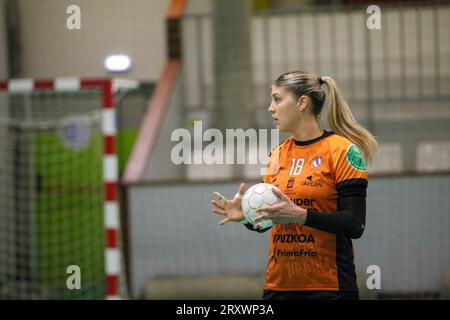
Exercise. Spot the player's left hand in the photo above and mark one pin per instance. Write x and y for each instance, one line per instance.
(281, 212)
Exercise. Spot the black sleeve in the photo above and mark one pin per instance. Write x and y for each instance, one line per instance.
(249, 226)
(350, 217)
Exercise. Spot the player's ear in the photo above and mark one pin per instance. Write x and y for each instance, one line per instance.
(302, 103)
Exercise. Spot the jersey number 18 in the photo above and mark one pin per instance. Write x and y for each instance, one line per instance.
(296, 167)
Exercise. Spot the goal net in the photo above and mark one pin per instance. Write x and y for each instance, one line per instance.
(59, 216)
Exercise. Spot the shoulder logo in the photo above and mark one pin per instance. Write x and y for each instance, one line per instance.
(355, 158)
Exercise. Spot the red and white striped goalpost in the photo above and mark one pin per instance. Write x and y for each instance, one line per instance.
(110, 159)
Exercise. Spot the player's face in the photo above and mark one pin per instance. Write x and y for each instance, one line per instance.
(284, 109)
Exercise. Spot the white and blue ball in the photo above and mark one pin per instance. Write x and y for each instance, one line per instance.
(259, 195)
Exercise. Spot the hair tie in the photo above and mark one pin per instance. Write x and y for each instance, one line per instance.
(320, 80)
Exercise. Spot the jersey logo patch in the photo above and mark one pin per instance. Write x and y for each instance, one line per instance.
(316, 162)
(355, 158)
(290, 183)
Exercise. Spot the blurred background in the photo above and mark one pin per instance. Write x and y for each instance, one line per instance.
(211, 61)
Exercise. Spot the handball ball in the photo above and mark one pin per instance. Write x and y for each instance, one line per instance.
(257, 196)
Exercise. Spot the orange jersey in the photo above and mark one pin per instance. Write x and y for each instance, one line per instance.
(300, 257)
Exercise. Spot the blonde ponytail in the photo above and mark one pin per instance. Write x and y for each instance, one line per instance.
(342, 122)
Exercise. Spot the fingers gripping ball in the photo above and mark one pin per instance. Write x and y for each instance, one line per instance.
(259, 195)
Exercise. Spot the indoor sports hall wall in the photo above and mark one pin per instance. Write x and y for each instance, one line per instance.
(407, 236)
(49, 49)
(403, 55)
(3, 44)
(395, 79)
(407, 232)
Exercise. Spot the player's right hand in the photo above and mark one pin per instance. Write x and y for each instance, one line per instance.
(230, 209)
